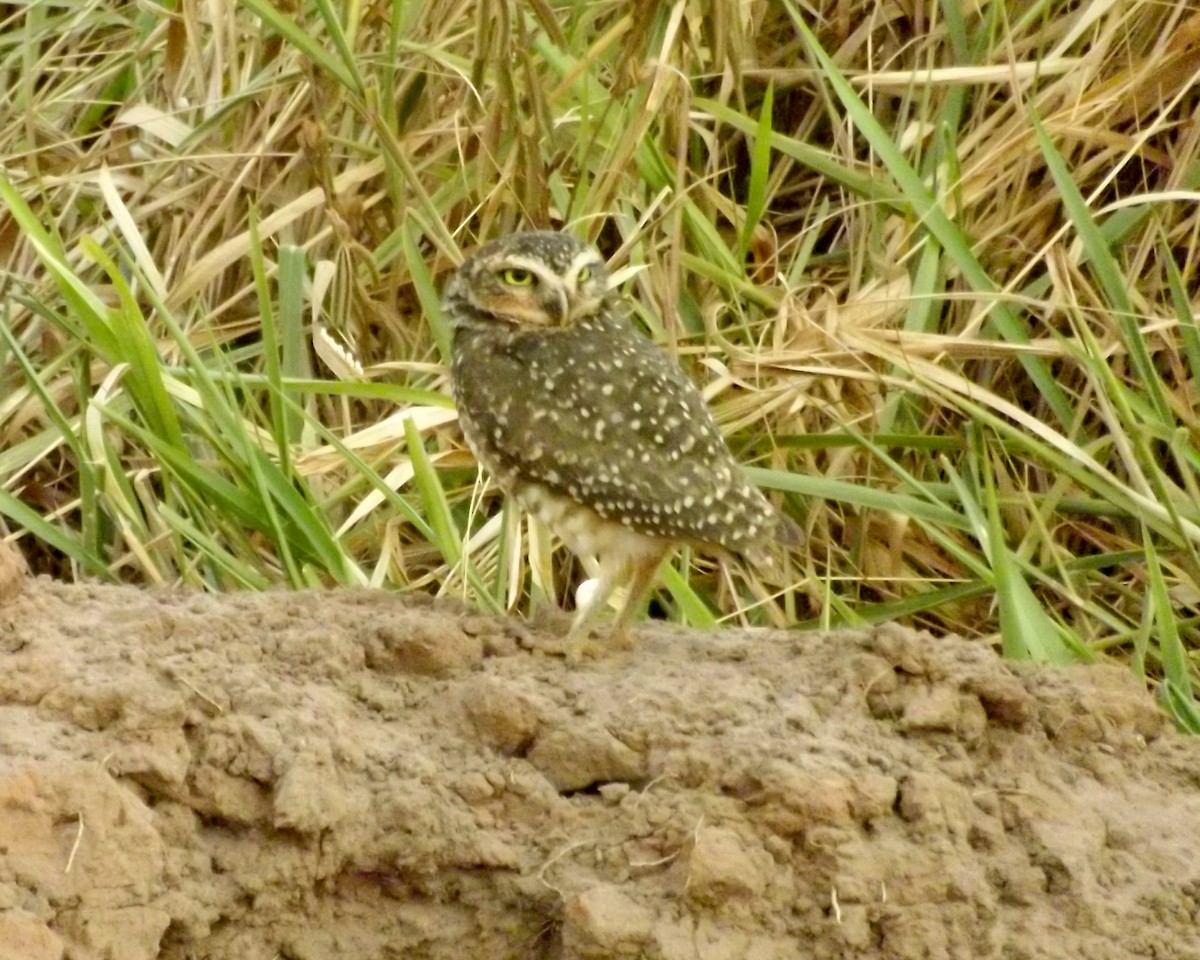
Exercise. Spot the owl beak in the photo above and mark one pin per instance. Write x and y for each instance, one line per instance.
(558, 306)
(580, 305)
(564, 305)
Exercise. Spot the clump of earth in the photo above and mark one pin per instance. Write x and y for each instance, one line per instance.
(357, 774)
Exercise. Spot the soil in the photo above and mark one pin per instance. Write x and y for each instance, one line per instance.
(365, 775)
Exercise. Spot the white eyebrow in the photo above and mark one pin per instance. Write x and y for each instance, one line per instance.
(583, 258)
(534, 266)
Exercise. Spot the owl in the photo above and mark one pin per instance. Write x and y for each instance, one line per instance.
(593, 428)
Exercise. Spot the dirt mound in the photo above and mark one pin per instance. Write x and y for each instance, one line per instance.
(362, 775)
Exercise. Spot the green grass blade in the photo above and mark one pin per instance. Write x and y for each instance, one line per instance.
(431, 305)
(67, 543)
(760, 170)
(135, 347)
(1171, 650)
(692, 608)
(1104, 267)
(272, 363)
(1026, 631)
(870, 498)
(293, 343)
(446, 535)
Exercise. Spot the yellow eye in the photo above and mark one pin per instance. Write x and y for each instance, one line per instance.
(585, 274)
(518, 277)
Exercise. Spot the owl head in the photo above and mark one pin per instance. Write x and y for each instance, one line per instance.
(539, 279)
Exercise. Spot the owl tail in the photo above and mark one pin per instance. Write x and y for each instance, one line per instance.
(788, 532)
(768, 554)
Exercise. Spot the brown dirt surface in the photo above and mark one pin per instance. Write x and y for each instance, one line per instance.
(345, 774)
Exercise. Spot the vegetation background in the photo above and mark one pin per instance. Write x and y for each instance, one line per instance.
(934, 264)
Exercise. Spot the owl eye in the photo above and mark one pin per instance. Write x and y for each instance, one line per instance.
(518, 277)
(585, 274)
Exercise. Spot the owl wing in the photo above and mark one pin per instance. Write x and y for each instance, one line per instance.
(609, 419)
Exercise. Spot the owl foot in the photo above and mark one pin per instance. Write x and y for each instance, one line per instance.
(576, 648)
(579, 648)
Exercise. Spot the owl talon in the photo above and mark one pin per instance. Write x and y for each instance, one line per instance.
(577, 648)
(621, 638)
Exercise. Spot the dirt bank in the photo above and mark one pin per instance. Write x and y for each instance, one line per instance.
(360, 775)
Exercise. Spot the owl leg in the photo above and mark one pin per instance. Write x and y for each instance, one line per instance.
(636, 568)
(578, 637)
(642, 574)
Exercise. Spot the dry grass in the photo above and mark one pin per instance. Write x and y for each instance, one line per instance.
(935, 266)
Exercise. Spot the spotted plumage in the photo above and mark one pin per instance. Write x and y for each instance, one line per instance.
(590, 425)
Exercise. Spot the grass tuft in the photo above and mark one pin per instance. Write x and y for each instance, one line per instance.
(936, 270)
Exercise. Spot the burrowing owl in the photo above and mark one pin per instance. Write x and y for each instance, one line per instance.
(592, 427)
